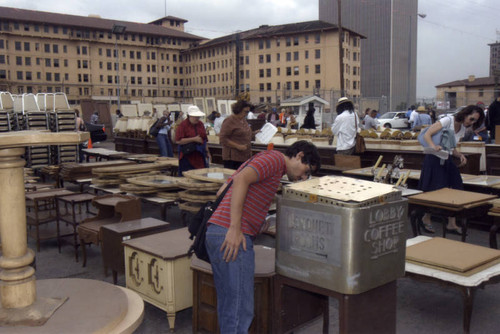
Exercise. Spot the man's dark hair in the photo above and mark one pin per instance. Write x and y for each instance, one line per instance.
(311, 155)
(469, 110)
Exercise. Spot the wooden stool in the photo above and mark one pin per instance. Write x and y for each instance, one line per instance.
(72, 218)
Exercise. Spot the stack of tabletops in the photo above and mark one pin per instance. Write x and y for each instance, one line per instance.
(201, 186)
(452, 256)
(75, 171)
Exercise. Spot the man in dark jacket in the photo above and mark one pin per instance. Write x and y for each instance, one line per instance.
(493, 117)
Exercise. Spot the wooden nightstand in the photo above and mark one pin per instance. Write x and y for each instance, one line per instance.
(113, 235)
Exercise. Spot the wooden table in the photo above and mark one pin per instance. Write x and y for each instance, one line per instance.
(157, 267)
(373, 311)
(41, 216)
(468, 205)
(466, 285)
(113, 235)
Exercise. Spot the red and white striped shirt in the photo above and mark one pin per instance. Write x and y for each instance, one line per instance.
(270, 167)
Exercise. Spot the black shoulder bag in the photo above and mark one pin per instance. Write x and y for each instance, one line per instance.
(198, 224)
(198, 227)
(189, 148)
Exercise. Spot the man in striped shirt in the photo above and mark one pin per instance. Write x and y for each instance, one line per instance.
(239, 218)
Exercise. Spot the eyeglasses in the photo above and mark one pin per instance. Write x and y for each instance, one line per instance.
(309, 172)
(472, 119)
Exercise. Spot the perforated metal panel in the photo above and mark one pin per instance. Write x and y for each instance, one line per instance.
(341, 191)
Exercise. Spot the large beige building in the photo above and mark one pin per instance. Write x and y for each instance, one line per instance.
(274, 63)
(467, 91)
(101, 59)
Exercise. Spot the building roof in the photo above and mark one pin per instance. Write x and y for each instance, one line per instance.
(169, 17)
(279, 30)
(298, 101)
(89, 22)
(485, 81)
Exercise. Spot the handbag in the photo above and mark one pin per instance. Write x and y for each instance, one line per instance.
(154, 129)
(360, 146)
(189, 148)
(198, 227)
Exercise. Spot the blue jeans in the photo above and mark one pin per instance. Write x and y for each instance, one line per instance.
(164, 145)
(233, 282)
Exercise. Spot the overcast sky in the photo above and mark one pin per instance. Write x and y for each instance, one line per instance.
(452, 40)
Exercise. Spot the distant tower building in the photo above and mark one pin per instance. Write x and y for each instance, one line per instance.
(494, 59)
(389, 57)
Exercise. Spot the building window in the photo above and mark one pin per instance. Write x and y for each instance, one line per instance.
(268, 72)
(48, 76)
(296, 70)
(481, 92)
(317, 83)
(47, 62)
(261, 87)
(261, 73)
(65, 49)
(317, 54)
(278, 57)
(19, 61)
(288, 56)
(317, 69)
(26, 46)
(288, 41)
(296, 85)
(268, 58)
(306, 54)
(55, 48)
(261, 59)
(261, 44)
(317, 38)
(296, 55)
(17, 46)
(2, 59)
(306, 69)
(3, 74)
(46, 48)
(57, 77)
(19, 75)
(288, 71)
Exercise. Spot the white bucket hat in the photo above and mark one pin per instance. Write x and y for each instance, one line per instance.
(195, 111)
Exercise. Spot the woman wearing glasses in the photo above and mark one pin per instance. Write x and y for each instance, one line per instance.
(437, 174)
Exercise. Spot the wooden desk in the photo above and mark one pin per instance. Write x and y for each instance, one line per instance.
(113, 235)
(441, 206)
(157, 268)
(466, 285)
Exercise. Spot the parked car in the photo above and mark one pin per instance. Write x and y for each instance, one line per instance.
(394, 119)
(97, 133)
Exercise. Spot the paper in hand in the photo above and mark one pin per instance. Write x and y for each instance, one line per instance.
(266, 133)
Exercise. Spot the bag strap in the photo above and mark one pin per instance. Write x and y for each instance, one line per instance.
(219, 199)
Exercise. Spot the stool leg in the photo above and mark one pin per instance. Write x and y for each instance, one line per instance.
(84, 253)
(468, 294)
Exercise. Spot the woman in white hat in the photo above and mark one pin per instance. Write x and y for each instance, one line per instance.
(192, 140)
(345, 126)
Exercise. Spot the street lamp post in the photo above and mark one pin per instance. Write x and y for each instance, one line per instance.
(118, 30)
(410, 61)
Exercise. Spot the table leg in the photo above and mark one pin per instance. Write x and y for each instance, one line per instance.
(57, 225)
(415, 218)
(493, 232)
(163, 208)
(464, 229)
(84, 253)
(468, 294)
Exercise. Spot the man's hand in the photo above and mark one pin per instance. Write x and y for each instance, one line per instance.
(198, 139)
(230, 246)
